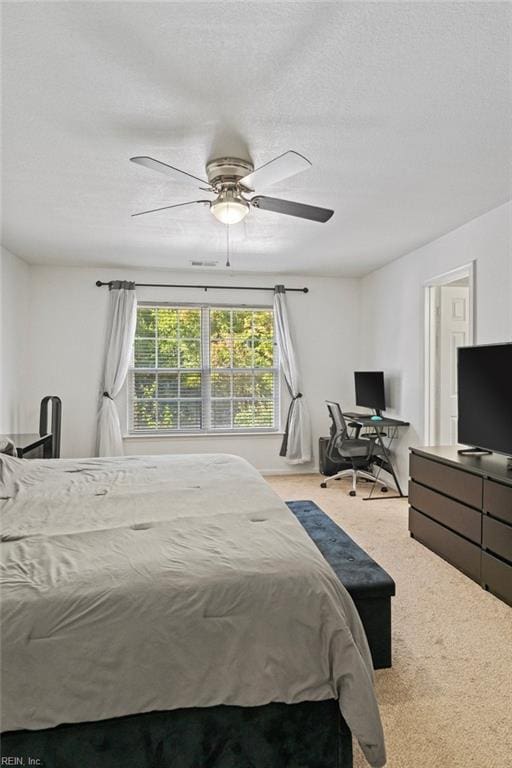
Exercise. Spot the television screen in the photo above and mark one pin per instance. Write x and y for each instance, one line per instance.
(485, 397)
(370, 389)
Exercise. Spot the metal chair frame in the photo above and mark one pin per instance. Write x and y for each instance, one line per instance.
(342, 447)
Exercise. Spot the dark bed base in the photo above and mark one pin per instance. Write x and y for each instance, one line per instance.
(306, 735)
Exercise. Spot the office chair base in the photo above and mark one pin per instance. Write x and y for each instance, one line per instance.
(355, 474)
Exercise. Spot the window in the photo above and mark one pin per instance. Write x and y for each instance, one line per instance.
(203, 369)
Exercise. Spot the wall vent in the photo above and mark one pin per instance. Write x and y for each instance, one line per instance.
(196, 263)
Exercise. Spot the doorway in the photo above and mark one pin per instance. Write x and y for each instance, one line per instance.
(449, 316)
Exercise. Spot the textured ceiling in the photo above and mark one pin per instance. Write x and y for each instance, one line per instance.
(404, 110)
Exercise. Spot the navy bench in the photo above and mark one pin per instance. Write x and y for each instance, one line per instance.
(369, 586)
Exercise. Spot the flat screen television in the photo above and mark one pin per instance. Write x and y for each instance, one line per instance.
(370, 390)
(485, 397)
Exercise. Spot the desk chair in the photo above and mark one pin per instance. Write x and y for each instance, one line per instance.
(341, 448)
(56, 404)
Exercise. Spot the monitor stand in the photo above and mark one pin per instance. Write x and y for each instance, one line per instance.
(474, 452)
(378, 412)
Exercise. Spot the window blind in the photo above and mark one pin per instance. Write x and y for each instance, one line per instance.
(203, 369)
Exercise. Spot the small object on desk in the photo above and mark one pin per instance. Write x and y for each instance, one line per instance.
(376, 418)
(7, 446)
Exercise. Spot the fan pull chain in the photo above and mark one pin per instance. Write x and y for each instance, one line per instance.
(228, 263)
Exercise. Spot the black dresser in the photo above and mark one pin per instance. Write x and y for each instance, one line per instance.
(461, 508)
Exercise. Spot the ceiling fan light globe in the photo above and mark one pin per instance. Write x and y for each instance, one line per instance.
(229, 208)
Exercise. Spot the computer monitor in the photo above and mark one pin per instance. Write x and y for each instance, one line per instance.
(370, 390)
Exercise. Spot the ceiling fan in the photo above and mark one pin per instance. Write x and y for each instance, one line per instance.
(232, 180)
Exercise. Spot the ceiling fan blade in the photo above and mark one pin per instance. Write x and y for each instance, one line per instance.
(278, 169)
(166, 207)
(169, 170)
(311, 212)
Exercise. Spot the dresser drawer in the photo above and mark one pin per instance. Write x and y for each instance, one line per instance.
(460, 485)
(497, 577)
(498, 500)
(458, 551)
(497, 537)
(460, 518)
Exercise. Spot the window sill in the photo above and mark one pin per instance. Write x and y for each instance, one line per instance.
(273, 433)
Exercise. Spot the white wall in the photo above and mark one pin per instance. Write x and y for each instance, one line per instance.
(14, 285)
(392, 306)
(68, 318)
(341, 325)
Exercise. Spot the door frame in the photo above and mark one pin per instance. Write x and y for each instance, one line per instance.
(465, 271)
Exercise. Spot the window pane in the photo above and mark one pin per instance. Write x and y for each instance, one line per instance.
(242, 354)
(167, 353)
(243, 413)
(220, 354)
(168, 385)
(190, 414)
(146, 322)
(221, 414)
(263, 324)
(264, 385)
(263, 353)
(167, 323)
(243, 384)
(167, 414)
(144, 414)
(190, 323)
(242, 323)
(190, 354)
(221, 384)
(220, 323)
(144, 385)
(144, 353)
(190, 385)
(264, 413)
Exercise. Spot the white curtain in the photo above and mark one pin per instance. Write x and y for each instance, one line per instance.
(120, 334)
(296, 445)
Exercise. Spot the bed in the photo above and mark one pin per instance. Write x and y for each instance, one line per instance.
(167, 584)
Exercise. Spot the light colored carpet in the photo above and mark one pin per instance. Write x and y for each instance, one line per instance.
(447, 701)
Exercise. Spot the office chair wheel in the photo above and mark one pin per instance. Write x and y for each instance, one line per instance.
(351, 493)
(323, 485)
(383, 489)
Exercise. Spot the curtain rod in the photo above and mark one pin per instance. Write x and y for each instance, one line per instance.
(99, 283)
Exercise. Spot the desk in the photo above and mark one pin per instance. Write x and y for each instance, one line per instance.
(393, 425)
(39, 446)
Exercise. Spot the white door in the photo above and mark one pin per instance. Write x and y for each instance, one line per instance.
(453, 333)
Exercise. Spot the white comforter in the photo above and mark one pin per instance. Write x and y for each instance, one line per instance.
(152, 583)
